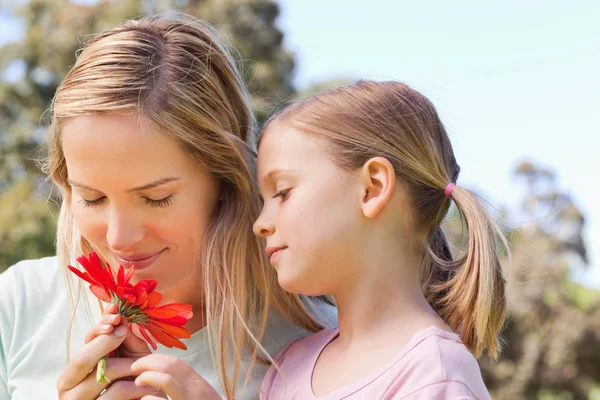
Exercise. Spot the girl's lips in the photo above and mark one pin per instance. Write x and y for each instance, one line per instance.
(273, 252)
(140, 261)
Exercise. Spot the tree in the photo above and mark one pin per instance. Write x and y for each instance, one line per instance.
(40, 60)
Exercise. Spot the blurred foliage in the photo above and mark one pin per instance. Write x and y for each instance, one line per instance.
(552, 338)
(33, 66)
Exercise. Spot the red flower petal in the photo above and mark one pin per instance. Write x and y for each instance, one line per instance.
(140, 331)
(153, 299)
(129, 274)
(164, 338)
(147, 284)
(86, 277)
(100, 293)
(121, 277)
(171, 310)
(94, 268)
(175, 331)
(141, 298)
(175, 321)
(160, 312)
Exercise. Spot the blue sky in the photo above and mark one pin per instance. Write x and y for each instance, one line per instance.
(512, 80)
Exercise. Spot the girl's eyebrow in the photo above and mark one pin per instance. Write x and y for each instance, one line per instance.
(147, 186)
(271, 175)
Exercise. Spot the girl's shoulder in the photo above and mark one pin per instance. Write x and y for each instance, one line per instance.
(295, 362)
(302, 349)
(436, 357)
(445, 350)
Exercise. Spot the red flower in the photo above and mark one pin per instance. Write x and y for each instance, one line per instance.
(137, 304)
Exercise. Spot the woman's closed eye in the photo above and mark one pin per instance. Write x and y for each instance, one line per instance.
(91, 203)
(164, 202)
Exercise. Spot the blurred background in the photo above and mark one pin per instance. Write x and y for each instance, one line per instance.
(516, 84)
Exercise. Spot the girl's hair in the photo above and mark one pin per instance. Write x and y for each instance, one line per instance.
(389, 119)
(181, 78)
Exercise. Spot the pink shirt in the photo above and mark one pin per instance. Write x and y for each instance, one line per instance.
(434, 365)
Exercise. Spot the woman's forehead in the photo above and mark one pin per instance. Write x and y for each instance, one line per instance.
(119, 146)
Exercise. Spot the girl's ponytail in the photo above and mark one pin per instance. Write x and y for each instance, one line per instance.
(469, 293)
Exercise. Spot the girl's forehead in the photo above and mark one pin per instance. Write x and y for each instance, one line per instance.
(287, 148)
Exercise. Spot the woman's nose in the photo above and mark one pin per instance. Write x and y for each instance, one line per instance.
(123, 231)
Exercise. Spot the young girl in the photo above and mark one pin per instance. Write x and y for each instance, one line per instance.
(356, 182)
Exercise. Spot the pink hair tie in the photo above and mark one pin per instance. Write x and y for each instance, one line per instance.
(448, 190)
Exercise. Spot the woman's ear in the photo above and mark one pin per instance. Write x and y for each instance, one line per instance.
(379, 181)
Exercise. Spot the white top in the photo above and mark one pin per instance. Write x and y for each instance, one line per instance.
(34, 316)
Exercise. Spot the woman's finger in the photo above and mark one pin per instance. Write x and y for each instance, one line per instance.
(116, 368)
(104, 326)
(162, 363)
(109, 320)
(163, 381)
(111, 309)
(127, 390)
(174, 376)
(81, 365)
(112, 319)
(133, 346)
(97, 330)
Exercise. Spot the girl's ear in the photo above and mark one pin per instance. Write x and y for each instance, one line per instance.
(379, 180)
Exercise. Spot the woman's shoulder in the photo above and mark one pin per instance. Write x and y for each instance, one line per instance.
(30, 281)
(281, 332)
(35, 273)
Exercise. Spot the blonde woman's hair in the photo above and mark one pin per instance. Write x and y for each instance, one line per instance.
(370, 119)
(181, 78)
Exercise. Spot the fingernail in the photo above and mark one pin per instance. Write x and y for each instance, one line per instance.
(121, 331)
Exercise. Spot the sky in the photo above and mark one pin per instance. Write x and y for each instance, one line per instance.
(512, 81)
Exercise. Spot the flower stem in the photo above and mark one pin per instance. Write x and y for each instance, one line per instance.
(101, 370)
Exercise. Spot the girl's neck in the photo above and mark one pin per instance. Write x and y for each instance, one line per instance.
(387, 297)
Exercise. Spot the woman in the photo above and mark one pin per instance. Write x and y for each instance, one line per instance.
(151, 146)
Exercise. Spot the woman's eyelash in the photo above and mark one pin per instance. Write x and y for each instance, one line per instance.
(91, 203)
(159, 203)
(152, 203)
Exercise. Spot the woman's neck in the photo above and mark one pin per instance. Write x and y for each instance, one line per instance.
(189, 291)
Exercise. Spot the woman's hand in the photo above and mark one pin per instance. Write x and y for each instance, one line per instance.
(132, 346)
(78, 379)
(173, 376)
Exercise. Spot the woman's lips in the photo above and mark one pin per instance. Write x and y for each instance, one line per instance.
(140, 261)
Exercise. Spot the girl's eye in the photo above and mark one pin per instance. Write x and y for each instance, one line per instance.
(283, 194)
(92, 203)
(159, 203)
